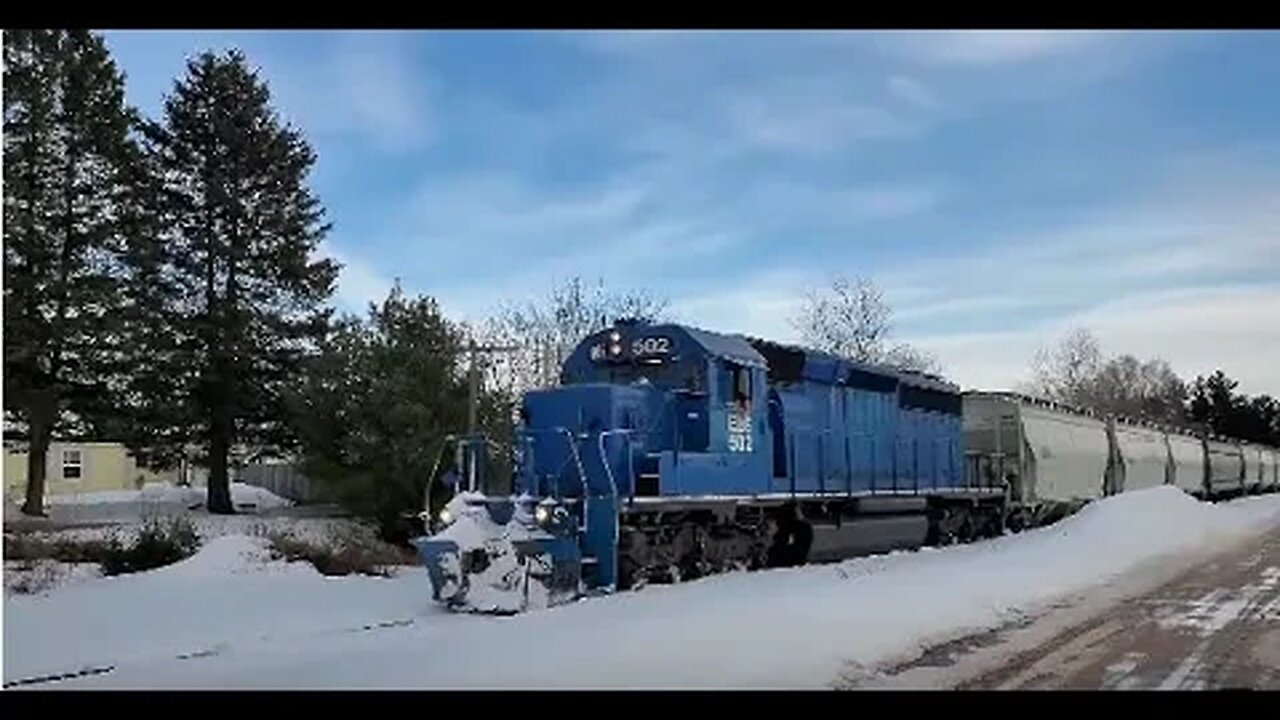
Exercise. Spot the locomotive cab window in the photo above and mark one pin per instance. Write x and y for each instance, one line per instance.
(740, 379)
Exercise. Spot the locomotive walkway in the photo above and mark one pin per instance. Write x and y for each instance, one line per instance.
(1214, 627)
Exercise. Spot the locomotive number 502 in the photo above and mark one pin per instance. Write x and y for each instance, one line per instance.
(651, 346)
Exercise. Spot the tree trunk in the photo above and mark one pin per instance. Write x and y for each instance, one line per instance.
(41, 426)
(219, 483)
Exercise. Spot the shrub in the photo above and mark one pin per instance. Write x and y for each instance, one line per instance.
(341, 553)
(69, 550)
(157, 544)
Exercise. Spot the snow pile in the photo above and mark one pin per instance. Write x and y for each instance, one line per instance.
(226, 555)
(159, 494)
(246, 496)
(224, 594)
(792, 628)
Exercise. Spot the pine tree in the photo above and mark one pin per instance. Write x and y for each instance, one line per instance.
(243, 298)
(67, 143)
(375, 406)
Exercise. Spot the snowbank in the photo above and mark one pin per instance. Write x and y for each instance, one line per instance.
(790, 628)
(227, 592)
(242, 496)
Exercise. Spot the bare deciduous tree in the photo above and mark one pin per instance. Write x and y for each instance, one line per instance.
(1076, 372)
(850, 318)
(545, 332)
(1065, 373)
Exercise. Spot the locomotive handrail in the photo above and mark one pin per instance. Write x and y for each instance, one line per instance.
(608, 471)
(582, 474)
(431, 479)
(808, 432)
(435, 468)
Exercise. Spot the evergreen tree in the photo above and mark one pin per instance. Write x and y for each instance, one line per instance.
(1214, 404)
(375, 407)
(237, 290)
(67, 154)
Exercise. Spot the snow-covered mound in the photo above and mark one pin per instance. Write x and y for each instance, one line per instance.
(789, 628)
(225, 555)
(243, 495)
(229, 591)
(159, 494)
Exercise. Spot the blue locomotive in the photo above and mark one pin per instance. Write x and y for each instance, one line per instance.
(668, 452)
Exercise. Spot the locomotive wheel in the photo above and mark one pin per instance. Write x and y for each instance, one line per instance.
(630, 575)
(791, 543)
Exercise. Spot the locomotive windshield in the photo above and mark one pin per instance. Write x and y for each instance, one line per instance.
(625, 358)
(662, 374)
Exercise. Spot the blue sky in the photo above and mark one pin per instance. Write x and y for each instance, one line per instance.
(1000, 187)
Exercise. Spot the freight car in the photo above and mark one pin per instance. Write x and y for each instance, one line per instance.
(668, 452)
(1055, 458)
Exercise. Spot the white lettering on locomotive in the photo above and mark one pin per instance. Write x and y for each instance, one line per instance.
(651, 346)
(739, 431)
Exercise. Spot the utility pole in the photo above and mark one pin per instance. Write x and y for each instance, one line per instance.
(473, 399)
(473, 378)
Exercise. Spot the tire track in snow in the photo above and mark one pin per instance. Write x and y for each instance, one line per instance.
(201, 653)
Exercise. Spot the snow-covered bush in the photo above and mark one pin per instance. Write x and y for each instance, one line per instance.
(341, 553)
(157, 544)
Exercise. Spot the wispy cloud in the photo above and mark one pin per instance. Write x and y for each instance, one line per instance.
(785, 122)
(1197, 331)
(989, 47)
(369, 86)
(996, 184)
(1182, 274)
(912, 91)
(372, 87)
(359, 282)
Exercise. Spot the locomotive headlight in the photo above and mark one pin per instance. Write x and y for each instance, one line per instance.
(615, 337)
(615, 349)
(445, 516)
(542, 514)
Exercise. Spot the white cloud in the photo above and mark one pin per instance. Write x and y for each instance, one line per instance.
(373, 86)
(761, 305)
(912, 91)
(1196, 331)
(382, 90)
(1183, 274)
(812, 128)
(359, 282)
(627, 43)
(496, 237)
(891, 201)
(990, 47)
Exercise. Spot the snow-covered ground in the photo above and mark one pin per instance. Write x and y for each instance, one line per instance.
(240, 622)
(228, 591)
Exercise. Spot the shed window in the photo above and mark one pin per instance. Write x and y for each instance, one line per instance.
(71, 464)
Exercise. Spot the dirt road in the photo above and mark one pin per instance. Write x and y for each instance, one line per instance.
(1216, 626)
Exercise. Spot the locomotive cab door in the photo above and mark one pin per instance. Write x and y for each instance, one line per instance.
(736, 399)
(692, 421)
